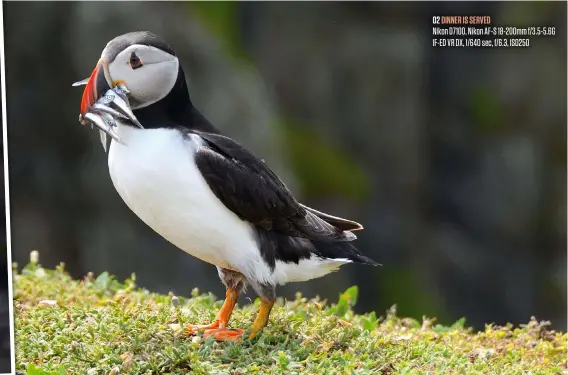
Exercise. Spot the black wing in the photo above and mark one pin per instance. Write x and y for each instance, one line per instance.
(248, 188)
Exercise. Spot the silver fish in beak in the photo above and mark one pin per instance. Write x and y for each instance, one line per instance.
(102, 111)
(106, 125)
(103, 114)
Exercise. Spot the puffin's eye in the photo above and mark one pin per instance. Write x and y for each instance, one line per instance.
(135, 61)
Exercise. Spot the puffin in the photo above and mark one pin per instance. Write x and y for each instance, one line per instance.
(202, 191)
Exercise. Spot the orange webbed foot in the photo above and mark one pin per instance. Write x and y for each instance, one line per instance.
(224, 334)
(192, 329)
(223, 316)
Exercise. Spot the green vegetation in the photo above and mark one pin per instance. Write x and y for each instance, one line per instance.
(100, 326)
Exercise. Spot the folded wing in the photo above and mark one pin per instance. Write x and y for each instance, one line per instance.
(248, 188)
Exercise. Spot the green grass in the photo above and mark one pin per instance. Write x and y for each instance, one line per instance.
(100, 326)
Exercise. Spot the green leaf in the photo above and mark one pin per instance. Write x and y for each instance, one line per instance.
(341, 308)
(346, 300)
(102, 281)
(370, 322)
(33, 370)
(439, 328)
(350, 295)
(460, 323)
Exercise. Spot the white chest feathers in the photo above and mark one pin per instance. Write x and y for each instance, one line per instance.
(156, 176)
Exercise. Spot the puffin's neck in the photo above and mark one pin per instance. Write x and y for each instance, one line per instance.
(175, 110)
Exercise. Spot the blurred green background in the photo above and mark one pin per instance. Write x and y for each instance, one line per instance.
(453, 159)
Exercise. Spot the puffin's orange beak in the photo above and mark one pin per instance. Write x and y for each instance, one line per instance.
(96, 86)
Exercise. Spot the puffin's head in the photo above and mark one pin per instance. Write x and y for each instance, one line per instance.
(141, 61)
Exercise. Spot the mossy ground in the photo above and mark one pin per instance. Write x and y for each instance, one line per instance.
(100, 326)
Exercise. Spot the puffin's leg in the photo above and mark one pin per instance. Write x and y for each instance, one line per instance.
(267, 295)
(234, 283)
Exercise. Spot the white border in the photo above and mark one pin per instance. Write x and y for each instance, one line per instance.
(7, 191)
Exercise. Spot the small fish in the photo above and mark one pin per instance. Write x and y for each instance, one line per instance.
(101, 121)
(103, 114)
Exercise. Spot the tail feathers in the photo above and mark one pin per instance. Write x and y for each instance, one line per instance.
(318, 228)
(277, 246)
(338, 222)
(341, 250)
